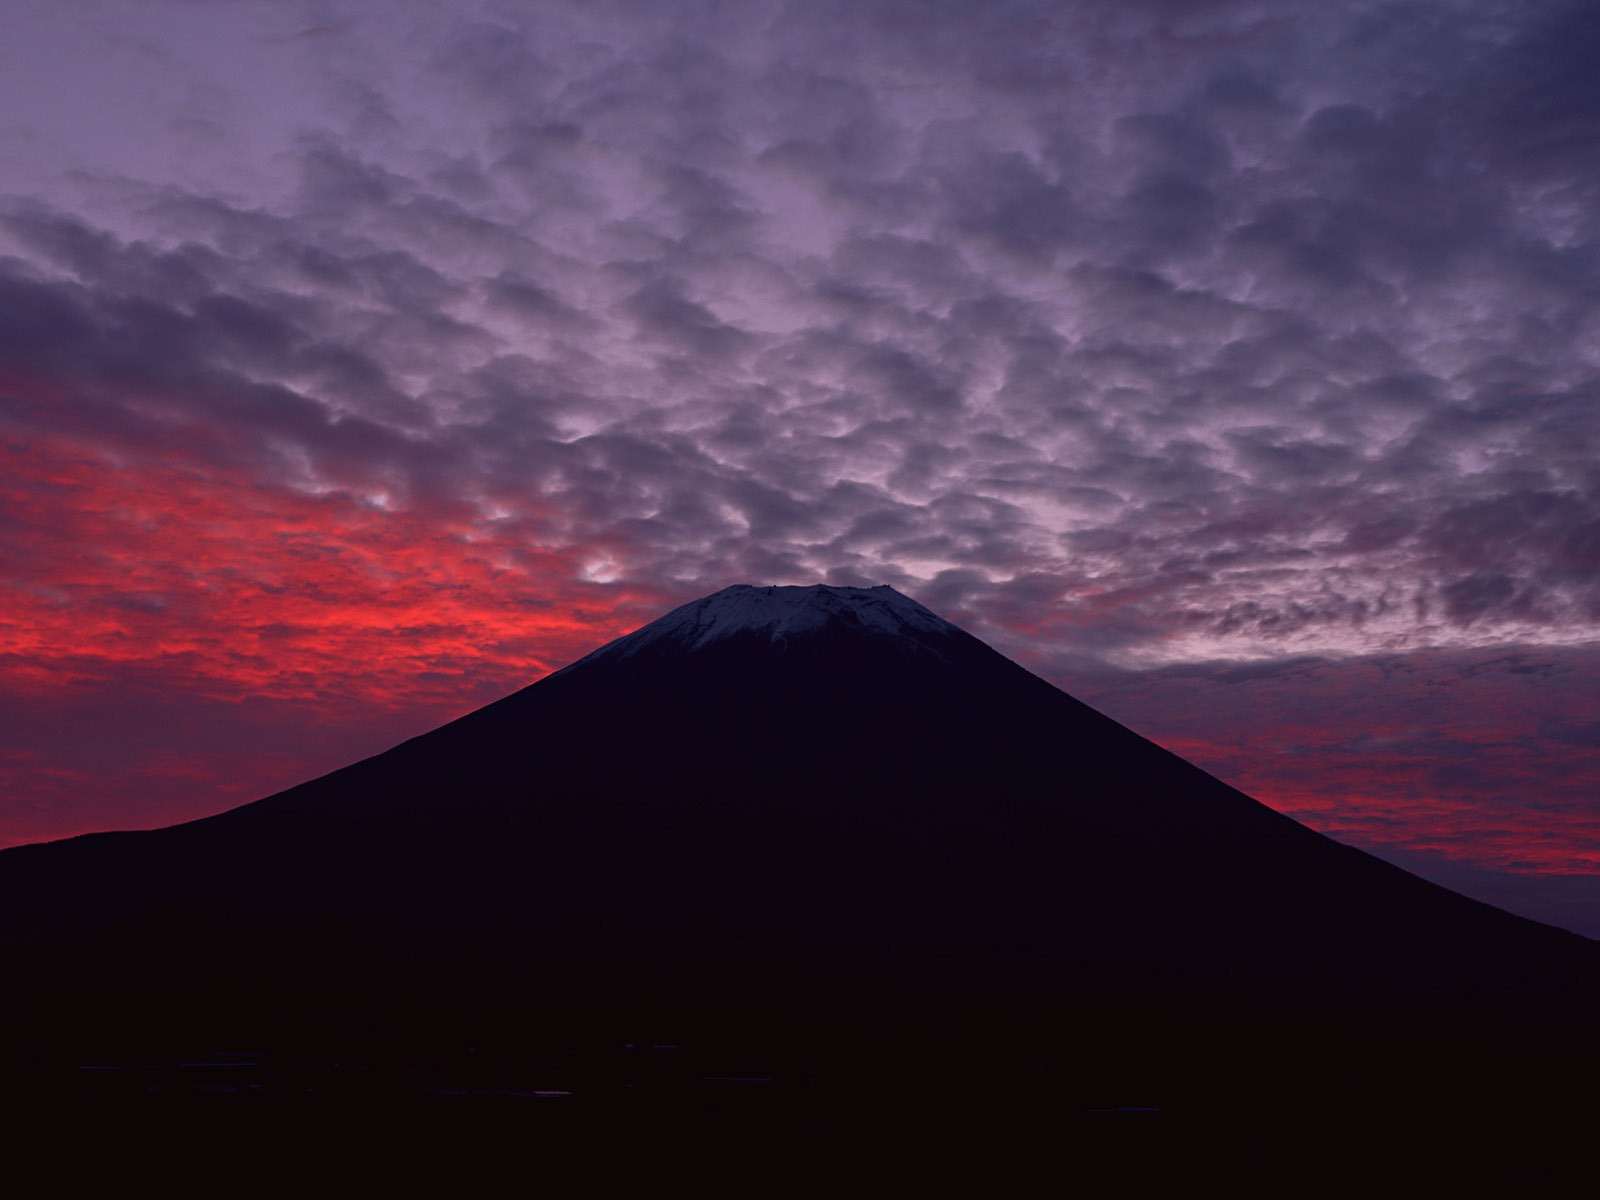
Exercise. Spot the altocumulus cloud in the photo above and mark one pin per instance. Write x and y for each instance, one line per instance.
(1139, 336)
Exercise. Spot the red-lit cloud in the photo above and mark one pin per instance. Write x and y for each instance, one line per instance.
(1452, 762)
(349, 382)
(244, 589)
(184, 587)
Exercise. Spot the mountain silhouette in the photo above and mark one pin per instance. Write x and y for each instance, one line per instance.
(813, 826)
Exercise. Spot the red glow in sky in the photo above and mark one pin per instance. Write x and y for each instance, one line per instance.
(249, 590)
(210, 589)
(350, 382)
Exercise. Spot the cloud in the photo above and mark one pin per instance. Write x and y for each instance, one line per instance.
(1183, 323)
(1180, 333)
(1360, 748)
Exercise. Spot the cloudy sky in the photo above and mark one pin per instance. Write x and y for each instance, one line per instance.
(1234, 365)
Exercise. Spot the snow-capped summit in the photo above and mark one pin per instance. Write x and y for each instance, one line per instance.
(779, 814)
(781, 613)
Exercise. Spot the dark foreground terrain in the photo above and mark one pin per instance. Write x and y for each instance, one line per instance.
(792, 885)
(230, 1122)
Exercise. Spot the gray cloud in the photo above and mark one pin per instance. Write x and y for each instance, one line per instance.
(1210, 308)
(1233, 364)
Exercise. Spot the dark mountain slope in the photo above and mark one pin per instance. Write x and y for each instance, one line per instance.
(778, 816)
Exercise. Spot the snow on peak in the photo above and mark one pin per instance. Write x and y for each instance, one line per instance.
(781, 611)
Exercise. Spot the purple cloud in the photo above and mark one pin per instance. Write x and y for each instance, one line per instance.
(1178, 333)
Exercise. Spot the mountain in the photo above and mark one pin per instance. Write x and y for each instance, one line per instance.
(820, 827)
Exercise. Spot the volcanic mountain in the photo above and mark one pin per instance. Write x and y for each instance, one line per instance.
(795, 819)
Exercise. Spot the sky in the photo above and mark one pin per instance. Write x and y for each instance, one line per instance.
(1233, 365)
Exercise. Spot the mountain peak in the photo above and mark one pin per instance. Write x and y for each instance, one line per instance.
(782, 612)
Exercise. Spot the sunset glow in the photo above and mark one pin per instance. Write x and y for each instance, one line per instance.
(1232, 366)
